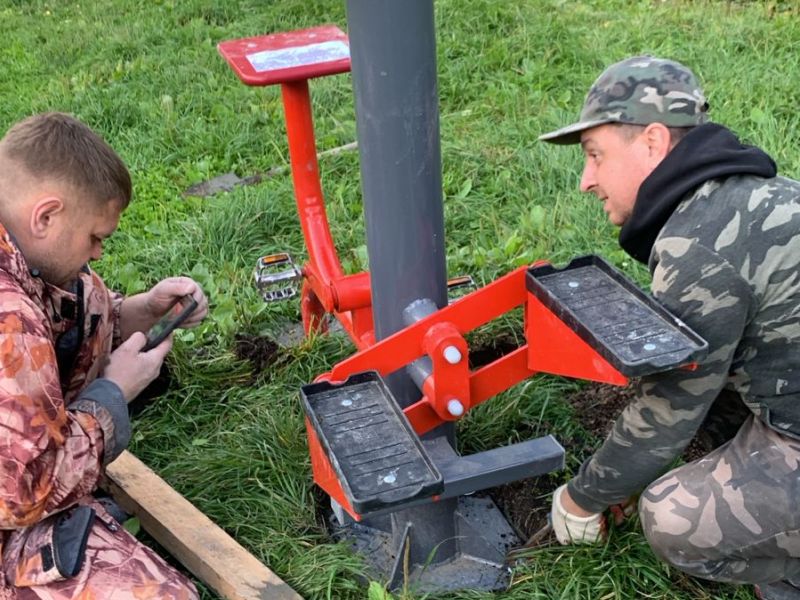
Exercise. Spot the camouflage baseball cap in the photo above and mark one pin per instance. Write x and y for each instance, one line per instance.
(639, 90)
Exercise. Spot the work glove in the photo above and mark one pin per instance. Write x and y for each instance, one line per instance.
(570, 529)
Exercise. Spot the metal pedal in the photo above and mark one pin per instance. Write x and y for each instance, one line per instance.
(377, 457)
(276, 277)
(626, 326)
(458, 287)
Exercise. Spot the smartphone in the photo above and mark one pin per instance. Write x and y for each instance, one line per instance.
(166, 324)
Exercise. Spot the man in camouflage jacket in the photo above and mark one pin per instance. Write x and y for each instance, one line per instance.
(70, 353)
(720, 232)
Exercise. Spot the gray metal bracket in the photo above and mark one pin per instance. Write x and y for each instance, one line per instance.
(482, 540)
(483, 470)
(498, 466)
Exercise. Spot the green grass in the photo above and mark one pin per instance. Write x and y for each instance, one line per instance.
(146, 74)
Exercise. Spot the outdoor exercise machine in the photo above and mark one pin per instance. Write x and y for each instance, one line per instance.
(380, 424)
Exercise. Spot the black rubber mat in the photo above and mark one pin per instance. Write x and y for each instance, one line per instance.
(377, 457)
(624, 325)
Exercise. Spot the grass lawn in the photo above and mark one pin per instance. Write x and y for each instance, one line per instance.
(146, 74)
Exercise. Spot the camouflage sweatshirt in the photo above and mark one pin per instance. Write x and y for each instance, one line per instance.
(727, 262)
(59, 422)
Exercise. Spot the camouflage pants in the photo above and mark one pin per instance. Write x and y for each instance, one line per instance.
(116, 567)
(733, 515)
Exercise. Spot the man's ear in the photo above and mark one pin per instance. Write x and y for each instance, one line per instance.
(44, 215)
(658, 140)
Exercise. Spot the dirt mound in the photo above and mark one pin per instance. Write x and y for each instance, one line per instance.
(260, 351)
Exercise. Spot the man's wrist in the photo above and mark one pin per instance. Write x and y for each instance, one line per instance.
(578, 494)
(572, 507)
(570, 528)
(135, 315)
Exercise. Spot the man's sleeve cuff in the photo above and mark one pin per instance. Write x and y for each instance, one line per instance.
(584, 501)
(105, 402)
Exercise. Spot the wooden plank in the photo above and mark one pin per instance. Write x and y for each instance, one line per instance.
(190, 536)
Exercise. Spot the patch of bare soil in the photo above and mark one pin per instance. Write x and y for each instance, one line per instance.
(490, 350)
(261, 352)
(526, 503)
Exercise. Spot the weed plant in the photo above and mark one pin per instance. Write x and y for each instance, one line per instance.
(147, 75)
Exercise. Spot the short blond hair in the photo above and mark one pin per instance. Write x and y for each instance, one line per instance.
(57, 146)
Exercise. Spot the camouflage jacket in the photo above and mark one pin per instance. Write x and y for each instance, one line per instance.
(726, 262)
(59, 422)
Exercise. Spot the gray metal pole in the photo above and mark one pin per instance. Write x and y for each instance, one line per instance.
(393, 54)
(456, 542)
(393, 59)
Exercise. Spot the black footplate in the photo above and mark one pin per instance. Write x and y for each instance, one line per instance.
(627, 327)
(377, 456)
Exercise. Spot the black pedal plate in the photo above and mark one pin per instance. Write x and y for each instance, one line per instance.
(377, 456)
(626, 326)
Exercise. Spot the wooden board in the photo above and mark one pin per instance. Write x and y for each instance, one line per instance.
(197, 542)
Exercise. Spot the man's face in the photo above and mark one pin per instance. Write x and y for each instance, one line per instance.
(77, 239)
(615, 168)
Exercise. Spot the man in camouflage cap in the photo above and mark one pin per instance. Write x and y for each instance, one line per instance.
(720, 232)
(639, 91)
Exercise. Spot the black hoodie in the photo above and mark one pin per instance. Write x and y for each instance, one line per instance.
(709, 151)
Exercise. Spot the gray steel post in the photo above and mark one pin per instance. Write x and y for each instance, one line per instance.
(458, 541)
(393, 58)
(393, 54)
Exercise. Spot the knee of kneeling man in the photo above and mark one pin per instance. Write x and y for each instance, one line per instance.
(666, 532)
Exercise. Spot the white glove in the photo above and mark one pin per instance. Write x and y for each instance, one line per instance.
(570, 529)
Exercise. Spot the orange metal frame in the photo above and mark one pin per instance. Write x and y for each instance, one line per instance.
(551, 346)
(326, 289)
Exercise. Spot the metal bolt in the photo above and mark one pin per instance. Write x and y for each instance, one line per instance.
(452, 355)
(455, 408)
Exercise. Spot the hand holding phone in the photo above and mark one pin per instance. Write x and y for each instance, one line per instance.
(166, 324)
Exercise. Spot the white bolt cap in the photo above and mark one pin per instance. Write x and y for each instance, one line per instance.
(455, 408)
(452, 355)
